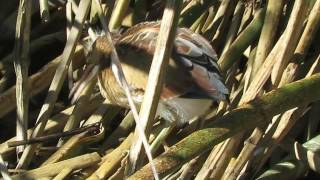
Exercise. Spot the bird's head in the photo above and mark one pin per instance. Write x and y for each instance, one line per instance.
(103, 46)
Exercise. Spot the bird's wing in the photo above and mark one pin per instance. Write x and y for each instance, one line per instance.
(196, 53)
(191, 50)
(141, 37)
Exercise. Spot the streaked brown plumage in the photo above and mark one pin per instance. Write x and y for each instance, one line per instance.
(192, 79)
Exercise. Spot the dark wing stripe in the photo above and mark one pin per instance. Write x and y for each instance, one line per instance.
(200, 59)
(208, 64)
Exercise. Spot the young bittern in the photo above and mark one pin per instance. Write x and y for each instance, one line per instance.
(192, 80)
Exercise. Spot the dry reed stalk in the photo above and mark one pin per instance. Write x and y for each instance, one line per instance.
(268, 33)
(21, 66)
(281, 49)
(64, 150)
(234, 27)
(154, 86)
(38, 81)
(218, 37)
(228, 151)
(220, 156)
(218, 18)
(49, 170)
(63, 174)
(244, 117)
(123, 130)
(44, 10)
(57, 81)
(54, 125)
(118, 14)
(293, 31)
(212, 10)
(77, 114)
(197, 25)
(192, 11)
(255, 87)
(112, 160)
(242, 42)
(69, 19)
(286, 121)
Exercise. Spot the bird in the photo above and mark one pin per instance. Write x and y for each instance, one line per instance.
(192, 80)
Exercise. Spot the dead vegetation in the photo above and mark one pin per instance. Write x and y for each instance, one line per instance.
(268, 52)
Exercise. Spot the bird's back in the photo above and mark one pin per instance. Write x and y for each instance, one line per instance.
(192, 67)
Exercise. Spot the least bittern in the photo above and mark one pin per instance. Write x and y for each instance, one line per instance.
(192, 80)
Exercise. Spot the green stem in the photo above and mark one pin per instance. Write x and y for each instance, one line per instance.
(188, 17)
(247, 116)
(248, 35)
